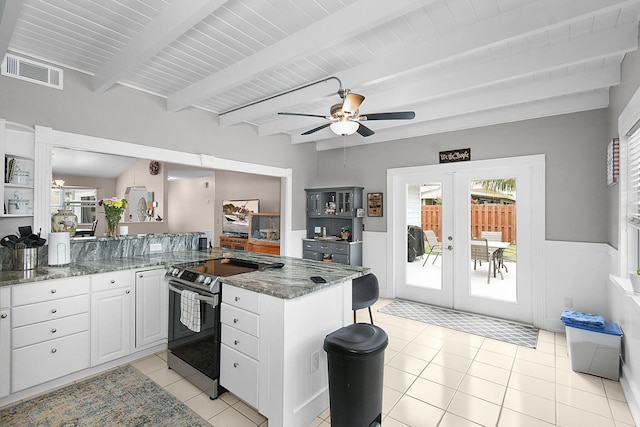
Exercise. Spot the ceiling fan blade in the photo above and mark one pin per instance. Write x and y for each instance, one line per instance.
(316, 129)
(399, 115)
(304, 115)
(351, 103)
(364, 131)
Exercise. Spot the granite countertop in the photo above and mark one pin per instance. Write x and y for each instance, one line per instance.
(291, 281)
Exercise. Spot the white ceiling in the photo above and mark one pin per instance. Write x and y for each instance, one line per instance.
(457, 63)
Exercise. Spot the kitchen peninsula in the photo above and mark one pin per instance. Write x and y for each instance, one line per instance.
(293, 315)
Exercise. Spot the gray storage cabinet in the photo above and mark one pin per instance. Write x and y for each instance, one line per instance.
(331, 209)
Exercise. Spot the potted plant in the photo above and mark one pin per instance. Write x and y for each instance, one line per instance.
(327, 258)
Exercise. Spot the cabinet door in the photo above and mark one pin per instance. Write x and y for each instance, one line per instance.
(110, 325)
(5, 351)
(345, 203)
(152, 307)
(314, 205)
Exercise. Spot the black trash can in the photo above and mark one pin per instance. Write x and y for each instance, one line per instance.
(355, 356)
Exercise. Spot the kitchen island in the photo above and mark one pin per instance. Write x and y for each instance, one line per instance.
(289, 384)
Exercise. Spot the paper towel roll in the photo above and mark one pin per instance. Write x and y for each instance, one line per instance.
(59, 248)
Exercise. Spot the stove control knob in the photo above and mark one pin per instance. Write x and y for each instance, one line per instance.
(201, 278)
(207, 280)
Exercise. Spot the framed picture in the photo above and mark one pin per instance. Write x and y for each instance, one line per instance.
(235, 215)
(374, 204)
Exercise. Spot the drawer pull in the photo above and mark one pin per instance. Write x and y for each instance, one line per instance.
(53, 310)
(236, 342)
(4, 316)
(53, 291)
(235, 364)
(113, 281)
(128, 291)
(235, 320)
(141, 276)
(54, 330)
(53, 350)
(237, 298)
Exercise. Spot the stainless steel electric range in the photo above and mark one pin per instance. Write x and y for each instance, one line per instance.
(196, 355)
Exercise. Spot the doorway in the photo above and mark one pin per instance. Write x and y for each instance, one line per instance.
(487, 241)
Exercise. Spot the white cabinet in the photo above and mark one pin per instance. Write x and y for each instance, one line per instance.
(5, 341)
(50, 330)
(239, 351)
(111, 314)
(152, 307)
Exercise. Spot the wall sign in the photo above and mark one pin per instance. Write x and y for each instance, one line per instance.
(374, 204)
(459, 155)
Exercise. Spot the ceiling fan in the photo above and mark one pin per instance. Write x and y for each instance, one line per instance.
(345, 119)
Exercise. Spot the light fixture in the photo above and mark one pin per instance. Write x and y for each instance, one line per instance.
(344, 127)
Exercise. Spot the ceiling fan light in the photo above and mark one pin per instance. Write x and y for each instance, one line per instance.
(344, 127)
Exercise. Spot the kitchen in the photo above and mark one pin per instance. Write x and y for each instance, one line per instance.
(591, 227)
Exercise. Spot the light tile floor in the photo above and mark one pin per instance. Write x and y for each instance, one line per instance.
(436, 376)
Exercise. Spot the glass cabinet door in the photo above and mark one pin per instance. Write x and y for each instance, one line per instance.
(345, 206)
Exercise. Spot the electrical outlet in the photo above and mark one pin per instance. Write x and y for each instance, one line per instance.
(315, 361)
(568, 302)
(155, 247)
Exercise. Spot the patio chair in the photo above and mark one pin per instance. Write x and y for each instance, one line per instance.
(495, 236)
(435, 247)
(480, 252)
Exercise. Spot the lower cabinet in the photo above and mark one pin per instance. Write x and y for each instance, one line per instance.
(239, 353)
(50, 331)
(152, 307)
(5, 341)
(111, 316)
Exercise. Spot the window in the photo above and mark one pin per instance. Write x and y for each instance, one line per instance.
(82, 201)
(633, 178)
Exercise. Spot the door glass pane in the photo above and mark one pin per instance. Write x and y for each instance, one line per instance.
(424, 235)
(493, 239)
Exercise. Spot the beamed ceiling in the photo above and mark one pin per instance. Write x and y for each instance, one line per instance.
(457, 63)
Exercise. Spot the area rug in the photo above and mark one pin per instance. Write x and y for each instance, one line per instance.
(488, 327)
(121, 397)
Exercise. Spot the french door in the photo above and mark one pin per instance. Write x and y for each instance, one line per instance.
(456, 203)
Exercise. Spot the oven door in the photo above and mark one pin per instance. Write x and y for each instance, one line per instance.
(200, 350)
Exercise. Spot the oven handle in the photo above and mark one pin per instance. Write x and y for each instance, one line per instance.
(213, 301)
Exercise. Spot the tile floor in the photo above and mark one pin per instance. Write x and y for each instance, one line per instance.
(440, 377)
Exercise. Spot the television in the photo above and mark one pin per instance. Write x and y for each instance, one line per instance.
(235, 215)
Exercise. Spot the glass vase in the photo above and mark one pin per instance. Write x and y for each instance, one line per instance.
(112, 227)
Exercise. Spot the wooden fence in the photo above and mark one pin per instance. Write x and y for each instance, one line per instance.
(483, 218)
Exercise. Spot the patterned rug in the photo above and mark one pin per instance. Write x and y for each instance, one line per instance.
(488, 327)
(120, 397)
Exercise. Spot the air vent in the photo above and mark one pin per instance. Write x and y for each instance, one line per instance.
(31, 71)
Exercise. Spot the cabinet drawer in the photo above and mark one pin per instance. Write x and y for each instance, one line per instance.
(316, 256)
(240, 341)
(5, 297)
(53, 329)
(112, 280)
(50, 310)
(239, 374)
(324, 248)
(337, 248)
(43, 362)
(241, 298)
(48, 290)
(239, 319)
(341, 259)
(309, 245)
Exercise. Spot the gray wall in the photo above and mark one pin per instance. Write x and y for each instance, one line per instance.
(574, 146)
(579, 206)
(619, 97)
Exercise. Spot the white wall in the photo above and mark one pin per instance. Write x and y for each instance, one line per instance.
(192, 204)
